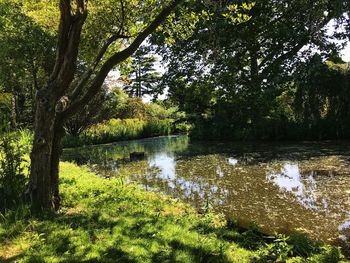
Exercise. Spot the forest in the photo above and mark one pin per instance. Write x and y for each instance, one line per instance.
(174, 131)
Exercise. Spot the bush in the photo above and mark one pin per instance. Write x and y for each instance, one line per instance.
(118, 130)
(133, 108)
(183, 127)
(5, 111)
(12, 171)
(25, 139)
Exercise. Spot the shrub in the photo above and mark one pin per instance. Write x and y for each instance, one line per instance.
(5, 111)
(183, 127)
(12, 171)
(133, 108)
(25, 139)
(118, 130)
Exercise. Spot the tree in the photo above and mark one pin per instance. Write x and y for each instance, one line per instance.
(143, 76)
(103, 106)
(121, 27)
(321, 101)
(26, 51)
(244, 67)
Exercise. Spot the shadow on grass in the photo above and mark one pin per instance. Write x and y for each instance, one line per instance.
(132, 236)
(127, 237)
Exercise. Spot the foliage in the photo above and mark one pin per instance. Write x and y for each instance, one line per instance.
(25, 53)
(12, 172)
(134, 120)
(103, 107)
(136, 108)
(106, 220)
(321, 101)
(5, 111)
(141, 78)
(24, 138)
(234, 78)
(120, 129)
(132, 108)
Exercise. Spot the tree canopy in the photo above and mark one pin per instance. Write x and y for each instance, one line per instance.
(228, 73)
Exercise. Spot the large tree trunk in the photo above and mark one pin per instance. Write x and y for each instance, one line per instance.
(43, 185)
(55, 160)
(60, 100)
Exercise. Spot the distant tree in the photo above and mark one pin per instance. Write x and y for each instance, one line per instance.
(104, 106)
(322, 98)
(143, 77)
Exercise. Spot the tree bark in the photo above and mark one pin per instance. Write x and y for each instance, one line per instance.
(40, 189)
(55, 160)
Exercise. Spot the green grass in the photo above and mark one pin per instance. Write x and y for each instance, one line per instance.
(117, 130)
(108, 221)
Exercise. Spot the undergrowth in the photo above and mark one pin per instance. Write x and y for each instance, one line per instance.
(13, 170)
(118, 130)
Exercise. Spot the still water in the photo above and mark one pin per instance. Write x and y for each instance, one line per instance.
(281, 187)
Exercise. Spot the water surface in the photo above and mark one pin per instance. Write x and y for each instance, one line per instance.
(281, 187)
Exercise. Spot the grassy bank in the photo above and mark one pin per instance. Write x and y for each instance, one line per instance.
(107, 221)
(118, 130)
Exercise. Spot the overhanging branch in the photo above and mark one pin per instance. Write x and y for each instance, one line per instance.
(118, 58)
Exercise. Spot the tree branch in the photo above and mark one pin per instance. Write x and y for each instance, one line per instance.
(63, 32)
(87, 74)
(296, 48)
(70, 27)
(118, 58)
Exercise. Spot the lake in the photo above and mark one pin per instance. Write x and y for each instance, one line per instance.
(283, 187)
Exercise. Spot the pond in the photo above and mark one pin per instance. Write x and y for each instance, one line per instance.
(283, 187)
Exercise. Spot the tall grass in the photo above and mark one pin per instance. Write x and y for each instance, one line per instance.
(118, 130)
(25, 139)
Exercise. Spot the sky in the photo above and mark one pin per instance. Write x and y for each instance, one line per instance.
(331, 28)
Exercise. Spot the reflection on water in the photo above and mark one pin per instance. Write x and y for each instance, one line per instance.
(232, 161)
(166, 165)
(303, 187)
(290, 179)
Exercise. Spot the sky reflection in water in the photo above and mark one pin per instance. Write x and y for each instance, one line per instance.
(289, 179)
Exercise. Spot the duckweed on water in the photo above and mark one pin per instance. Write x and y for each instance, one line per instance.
(107, 221)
